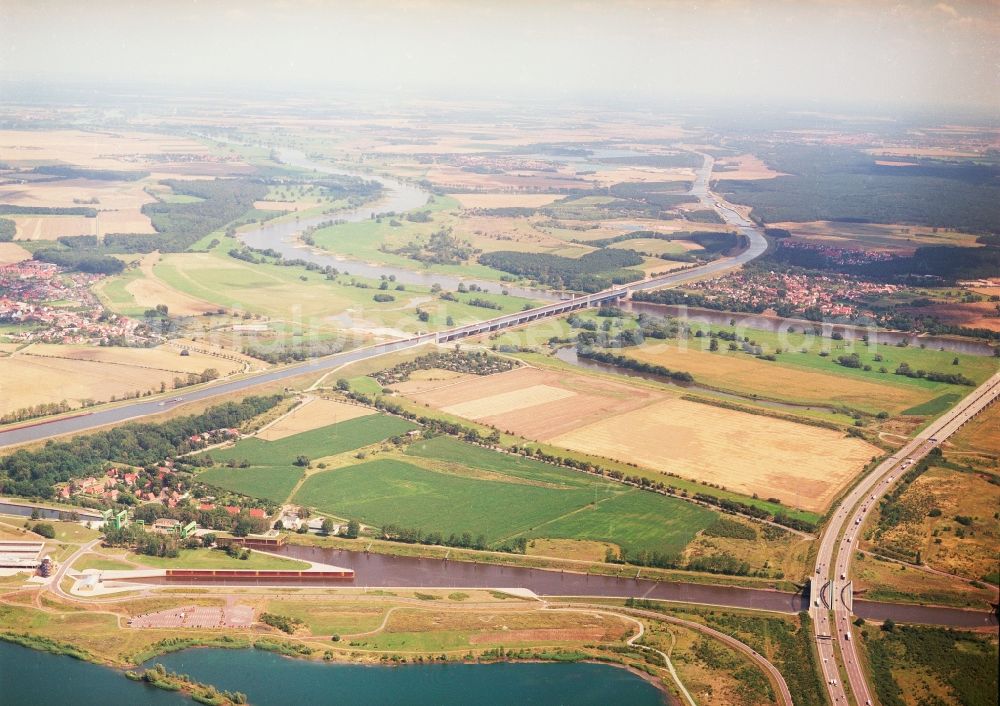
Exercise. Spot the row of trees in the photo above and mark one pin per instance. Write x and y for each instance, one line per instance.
(33, 473)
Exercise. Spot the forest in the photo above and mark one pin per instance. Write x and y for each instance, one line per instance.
(946, 262)
(589, 273)
(840, 184)
(82, 261)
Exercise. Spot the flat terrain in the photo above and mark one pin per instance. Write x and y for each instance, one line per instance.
(317, 443)
(804, 466)
(46, 373)
(502, 200)
(980, 437)
(313, 414)
(274, 483)
(443, 485)
(896, 238)
(966, 548)
(745, 374)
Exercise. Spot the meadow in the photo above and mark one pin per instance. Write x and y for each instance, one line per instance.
(443, 485)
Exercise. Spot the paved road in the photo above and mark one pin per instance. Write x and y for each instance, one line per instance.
(836, 551)
(153, 405)
(54, 583)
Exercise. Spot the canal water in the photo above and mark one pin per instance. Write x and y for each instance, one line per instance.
(45, 513)
(267, 678)
(380, 570)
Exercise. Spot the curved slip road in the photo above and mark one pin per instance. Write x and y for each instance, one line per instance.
(85, 421)
(839, 541)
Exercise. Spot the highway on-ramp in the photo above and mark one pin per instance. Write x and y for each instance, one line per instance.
(831, 588)
(756, 244)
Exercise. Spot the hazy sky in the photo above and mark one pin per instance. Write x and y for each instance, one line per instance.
(828, 51)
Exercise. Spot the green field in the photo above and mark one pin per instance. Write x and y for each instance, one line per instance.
(267, 482)
(643, 518)
(325, 441)
(272, 474)
(451, 487)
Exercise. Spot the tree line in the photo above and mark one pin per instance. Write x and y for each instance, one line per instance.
(34, 473)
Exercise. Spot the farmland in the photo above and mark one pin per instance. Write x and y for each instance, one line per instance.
(442, 485)
(802, 465)
(317, 443)
(312, 414)
(50, 373)
(738, 372)
(272, 482)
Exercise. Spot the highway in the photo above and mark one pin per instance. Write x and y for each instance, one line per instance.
(87, 420)
(839, 540)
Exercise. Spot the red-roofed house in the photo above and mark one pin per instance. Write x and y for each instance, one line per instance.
(232, 510)
(258, 513)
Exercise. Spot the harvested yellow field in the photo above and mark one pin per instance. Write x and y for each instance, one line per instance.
(741, 373)
(26, 381)
(513, 401)
(804, 466)
(417, 384)
(582, 399)
(744, 166)
(123, 221)
(506, 200)
(52, 227)
(98, 150)
(164, 358)
(313, 414)
(608, 177)
(12, 252)
(579, 549)
(68, 193)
